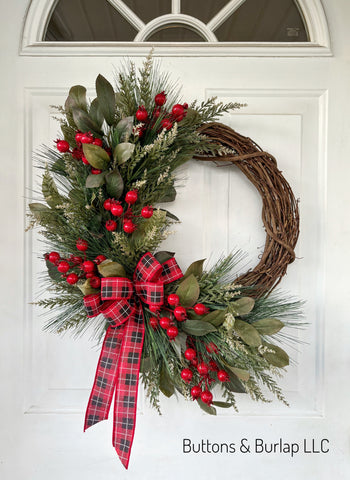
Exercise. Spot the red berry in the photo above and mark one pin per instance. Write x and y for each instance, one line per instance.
(95, 171)
(72, 278)
(76, 259)
(147, 212)
(95, 282)
(88, 266)
(164, 322)
(160, 99)
(185, 105)
(194, 362)
(166, 123)
(82, 245)
(54, 257)
(131, 197)
(186, 375)
(154, 308)
(107, 204)
(180, 313)
(200, 309)
(87, 138)
(63, 266)
(172, 332)
(77, 154)
(207, 397)
(173, 299)
(117, 209)
(190, 354)
(179, 118)
(156, 113)
(129, 227)
(196, 392)
(177, 110)
(97, 142)
(84, 160)
(154, 322)
(99, 259)
(223, 376)
(202, 369)
(62, 146)
(141, 114)
(111, 225)
(213, 366)
(78, 137)
(89, 275)
(211, 348)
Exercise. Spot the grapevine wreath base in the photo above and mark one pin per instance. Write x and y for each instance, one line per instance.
(185, 332)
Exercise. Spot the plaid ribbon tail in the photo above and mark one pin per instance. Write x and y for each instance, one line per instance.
(105, 378)
(127, 386)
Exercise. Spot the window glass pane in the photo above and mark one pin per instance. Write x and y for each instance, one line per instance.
(147, 10)
(88, 20)
(264, 21)
(175, 33)
(202, 10)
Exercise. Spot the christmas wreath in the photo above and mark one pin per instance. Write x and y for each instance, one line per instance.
(184, 332)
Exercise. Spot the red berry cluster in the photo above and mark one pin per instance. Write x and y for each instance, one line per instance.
(127, 216)
(87, 268)
(77, 152)
(178, 113)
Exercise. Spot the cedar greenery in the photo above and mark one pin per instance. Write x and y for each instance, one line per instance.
(74, 208)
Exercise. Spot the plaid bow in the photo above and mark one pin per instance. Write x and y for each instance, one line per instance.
(119, 363)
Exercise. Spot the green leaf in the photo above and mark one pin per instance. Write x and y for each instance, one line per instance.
(163, 256)
(206, 408)
(123, 152)
(123, 130)
(170, 215)
(222, 404)
(168, 196)
(94, 181)
(234, 385)
(268, 326)
(166, 385)
(85, 123)
(196, 268)
(54, 274)
(247, 332)
(188, 291)
(111, 269)
(278, 358)
(145, 365)
(39, 211)
(198, 328)
(216, 317)
(114, 183)
(50, 191)
(96, 156)
(86, 288)
(76, 98)
(106, 98)
(96, 113)
(243, 306)
(239, 372)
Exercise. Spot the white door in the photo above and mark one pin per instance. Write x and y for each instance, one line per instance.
(297, 110)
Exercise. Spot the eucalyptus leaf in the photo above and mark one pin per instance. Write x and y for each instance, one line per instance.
(39, 210)
(86, 288)
(106, 98)
(145, 365)
(268, 326)
(216, 317)
(166, 385)
(239, 372)
(54, 274)
(95, 112)
(206, 408)
(196, 268)
(170, 215)
(222, 404)
(123, 129)
(243, 306)
(168, 196)
(278, 357)
(198, 328)
(234, 384)
(94, 181)
(247, 333)
(188, 291)
(107, 268)
(76, 98)
(85, 123)
(123, 151)
(114, 183)
(96, 156)
(163, 256)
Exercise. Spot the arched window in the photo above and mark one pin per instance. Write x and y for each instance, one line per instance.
(175, 21)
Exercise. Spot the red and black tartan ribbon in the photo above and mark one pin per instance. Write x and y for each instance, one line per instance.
(119, 363)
